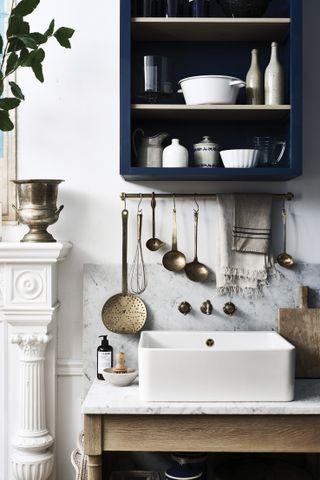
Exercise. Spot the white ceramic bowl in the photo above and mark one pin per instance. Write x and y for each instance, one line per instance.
(120, 379)
(211, 89)
(241, 158)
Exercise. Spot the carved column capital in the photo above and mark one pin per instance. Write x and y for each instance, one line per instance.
(32, 346)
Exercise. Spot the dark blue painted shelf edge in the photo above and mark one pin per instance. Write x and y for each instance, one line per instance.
(203, 174)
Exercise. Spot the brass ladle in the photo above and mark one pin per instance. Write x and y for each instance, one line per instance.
(154, 243)
(284, 259)
(174, 261)
(196, 271)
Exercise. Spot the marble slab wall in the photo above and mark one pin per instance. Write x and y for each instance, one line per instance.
(167, 290)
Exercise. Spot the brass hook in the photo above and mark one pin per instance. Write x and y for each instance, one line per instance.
(174, 201)
(284, 210)
(139, 204)
(153, 200)
(197, 204)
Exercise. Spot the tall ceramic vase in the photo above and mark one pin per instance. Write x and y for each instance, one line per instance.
(38, 207)
(274, 79)
(254, 81)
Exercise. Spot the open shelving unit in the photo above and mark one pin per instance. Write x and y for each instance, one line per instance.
(216, 45)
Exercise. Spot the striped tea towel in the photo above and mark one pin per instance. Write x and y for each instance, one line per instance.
(252, 223)
(237, 273)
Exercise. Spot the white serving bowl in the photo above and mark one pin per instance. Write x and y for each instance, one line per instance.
(241, 158)
(120, 379)
(211, 89)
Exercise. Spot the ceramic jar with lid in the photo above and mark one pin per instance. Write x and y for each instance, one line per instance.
(206, 154)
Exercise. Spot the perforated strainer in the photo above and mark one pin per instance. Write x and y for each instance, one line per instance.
(124, 312)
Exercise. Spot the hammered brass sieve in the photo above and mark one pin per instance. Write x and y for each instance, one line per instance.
(124, 312)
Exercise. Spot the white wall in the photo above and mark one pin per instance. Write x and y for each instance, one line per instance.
(68, 128)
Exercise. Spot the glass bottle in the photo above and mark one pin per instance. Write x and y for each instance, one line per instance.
(274, 79)
(254, 81)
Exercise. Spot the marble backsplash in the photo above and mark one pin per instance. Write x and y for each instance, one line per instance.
(167, 290)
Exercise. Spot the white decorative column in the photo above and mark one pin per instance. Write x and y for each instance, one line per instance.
(29, 285)
(32, 458)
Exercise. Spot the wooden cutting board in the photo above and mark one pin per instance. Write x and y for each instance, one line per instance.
(301, 327)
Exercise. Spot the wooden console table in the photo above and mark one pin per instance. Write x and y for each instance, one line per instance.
(116, 420)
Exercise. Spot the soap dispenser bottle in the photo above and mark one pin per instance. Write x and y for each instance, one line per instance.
(104, 356)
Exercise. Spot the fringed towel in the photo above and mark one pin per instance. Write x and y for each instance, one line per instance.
(252, 223)
(241, 272)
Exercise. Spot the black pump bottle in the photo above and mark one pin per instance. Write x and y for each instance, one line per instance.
(104, 356)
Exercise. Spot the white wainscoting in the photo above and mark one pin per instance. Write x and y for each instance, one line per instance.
(69, 420)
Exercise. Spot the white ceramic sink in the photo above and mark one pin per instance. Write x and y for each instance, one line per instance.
(215, 366)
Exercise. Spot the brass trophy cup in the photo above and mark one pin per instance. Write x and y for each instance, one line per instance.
(37, 207)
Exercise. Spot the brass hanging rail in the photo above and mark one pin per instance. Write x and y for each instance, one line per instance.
(209, 196)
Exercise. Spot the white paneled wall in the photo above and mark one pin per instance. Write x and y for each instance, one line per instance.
(69, 128)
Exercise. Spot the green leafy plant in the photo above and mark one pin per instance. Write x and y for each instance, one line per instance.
(22, 48)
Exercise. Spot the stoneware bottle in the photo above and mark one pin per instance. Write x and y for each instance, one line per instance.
(274, 79)
(175, 155)
(254, 81)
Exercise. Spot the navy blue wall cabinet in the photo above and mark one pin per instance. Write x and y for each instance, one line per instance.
(215, 45)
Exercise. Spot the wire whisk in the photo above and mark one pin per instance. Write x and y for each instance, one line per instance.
(138, 274)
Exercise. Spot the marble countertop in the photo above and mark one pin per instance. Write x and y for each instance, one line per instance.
(104, 398)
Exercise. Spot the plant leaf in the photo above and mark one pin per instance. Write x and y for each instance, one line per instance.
(38, 38)
(5, 123)
(27, 40)
(1, 86)
(16, 90)
(17, 26)
(12, 63)
(25, 7)
(15, 45)
(39, 55)
(50, 30)
(63, 35)
(37, 70)
(23, 58)
(1, 44)
(9, 103)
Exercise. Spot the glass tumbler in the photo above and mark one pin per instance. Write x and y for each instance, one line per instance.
(269, 148)
(157, 77)
(174, 8)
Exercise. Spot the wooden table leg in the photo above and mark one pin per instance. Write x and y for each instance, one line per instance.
(93, 445)
(94, 467)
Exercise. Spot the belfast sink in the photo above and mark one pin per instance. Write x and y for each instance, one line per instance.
(216, 367)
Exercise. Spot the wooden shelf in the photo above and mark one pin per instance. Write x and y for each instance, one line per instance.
(211, 112)
(210, 174)
(210, 29)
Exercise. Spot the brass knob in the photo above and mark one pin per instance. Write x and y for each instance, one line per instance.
(229, 309)
(207, 308)
(185, 308)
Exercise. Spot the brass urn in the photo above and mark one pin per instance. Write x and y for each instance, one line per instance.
(37, 208)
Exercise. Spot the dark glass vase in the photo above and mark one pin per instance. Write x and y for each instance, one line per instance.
(244, 8)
